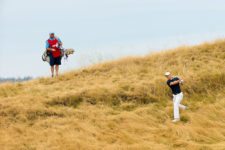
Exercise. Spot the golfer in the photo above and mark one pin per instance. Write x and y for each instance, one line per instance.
(174, 84)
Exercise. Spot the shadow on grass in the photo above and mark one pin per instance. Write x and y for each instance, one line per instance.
(69, 101)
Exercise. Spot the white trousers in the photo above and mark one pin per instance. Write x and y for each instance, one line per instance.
(176, 105)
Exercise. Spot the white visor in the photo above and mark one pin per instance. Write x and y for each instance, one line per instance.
(167, 73)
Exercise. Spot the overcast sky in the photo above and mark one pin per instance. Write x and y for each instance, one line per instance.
(101, 30)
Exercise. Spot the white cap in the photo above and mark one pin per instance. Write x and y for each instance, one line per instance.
(167, 73)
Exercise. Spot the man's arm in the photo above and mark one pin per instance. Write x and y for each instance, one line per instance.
(59, 41)
(48, 47)
(176, 82)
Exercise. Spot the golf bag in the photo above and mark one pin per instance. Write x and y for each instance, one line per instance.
(64, 53)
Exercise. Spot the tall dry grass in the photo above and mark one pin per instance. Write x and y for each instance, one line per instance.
(122, 104)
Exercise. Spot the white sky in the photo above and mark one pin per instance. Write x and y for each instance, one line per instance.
(101, 30)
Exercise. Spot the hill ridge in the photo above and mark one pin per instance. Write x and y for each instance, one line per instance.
(122, 104)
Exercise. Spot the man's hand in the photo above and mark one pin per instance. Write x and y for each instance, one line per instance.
(51, 49)
(181, 81)
(60, 44)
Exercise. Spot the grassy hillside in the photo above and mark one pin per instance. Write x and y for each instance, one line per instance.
(122, 104)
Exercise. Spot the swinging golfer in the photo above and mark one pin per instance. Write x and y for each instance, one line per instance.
(174, 84)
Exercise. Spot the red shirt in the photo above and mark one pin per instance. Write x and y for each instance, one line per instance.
(54, 44)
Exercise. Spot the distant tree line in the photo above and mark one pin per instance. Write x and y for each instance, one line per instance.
(11, 79)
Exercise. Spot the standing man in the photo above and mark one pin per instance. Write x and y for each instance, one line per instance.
(53, 45)
(174, 84)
